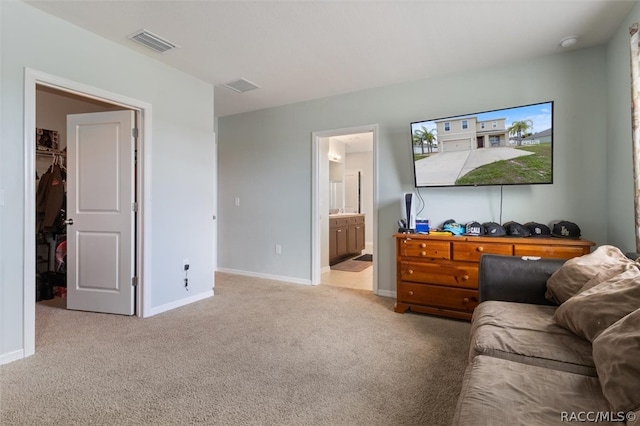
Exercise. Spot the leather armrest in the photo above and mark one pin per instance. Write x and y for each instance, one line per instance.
(515, 279)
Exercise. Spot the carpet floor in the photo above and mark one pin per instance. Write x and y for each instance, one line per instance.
(259, 352)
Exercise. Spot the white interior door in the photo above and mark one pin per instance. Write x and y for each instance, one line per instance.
(352, 191)
(100, 216)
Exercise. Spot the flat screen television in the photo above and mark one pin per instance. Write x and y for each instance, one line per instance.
(508, 146)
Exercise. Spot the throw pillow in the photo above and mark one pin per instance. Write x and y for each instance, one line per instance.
(574, 274)
(589, 313)
(616, 354)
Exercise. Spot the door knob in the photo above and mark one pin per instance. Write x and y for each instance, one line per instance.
(68, 222)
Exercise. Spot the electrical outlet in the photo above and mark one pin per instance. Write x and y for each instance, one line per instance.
(278, 249)
(237, 201)
(185, 263)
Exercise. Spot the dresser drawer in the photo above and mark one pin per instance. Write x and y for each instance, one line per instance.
(472, 251)
(454, 275)
(425, 249)
(559, 252)
(437, 296)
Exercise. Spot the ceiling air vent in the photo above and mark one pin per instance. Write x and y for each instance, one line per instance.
(152, 41)
(241, 85)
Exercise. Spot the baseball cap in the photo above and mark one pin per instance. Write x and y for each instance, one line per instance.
(474, 228)
(538, 229)
(565, 229)
(515, 229)
(493, 229)
(453, 227)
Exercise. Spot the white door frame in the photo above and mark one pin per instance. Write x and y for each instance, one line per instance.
(317, 216)
(143, 175)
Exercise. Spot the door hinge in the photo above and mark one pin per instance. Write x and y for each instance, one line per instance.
(134, 207)
(134, 281)
(134, 132)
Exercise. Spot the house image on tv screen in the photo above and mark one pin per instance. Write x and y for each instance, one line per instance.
(468, 133)
(537, 138)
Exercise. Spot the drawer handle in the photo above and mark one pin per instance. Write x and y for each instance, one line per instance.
(410, 271)
(423, 253)
(465, 277)
(410, 293)
(480, 249)
(339, 230)
(423, 245)
(466, 300)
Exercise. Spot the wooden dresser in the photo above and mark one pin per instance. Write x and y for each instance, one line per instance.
(439, 274)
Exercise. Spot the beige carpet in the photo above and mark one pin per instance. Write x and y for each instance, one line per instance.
(258, 353)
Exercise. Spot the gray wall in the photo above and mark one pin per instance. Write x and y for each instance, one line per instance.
(265, 158)
(181, 150)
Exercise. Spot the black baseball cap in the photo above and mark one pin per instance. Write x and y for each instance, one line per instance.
(565, 229)
(493, 229)
(515, 229)
(474, 228)
(538, 229)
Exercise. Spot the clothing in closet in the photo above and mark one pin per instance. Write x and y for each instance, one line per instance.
(50, 198)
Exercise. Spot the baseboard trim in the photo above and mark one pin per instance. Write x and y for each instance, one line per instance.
(387, 293)
(325, 269)
(265, 276)
(11, 356)
(179, 303)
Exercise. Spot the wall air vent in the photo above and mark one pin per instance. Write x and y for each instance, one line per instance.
(241, 85)
(152, 41)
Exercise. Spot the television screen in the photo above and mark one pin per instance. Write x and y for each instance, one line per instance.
(509, 146)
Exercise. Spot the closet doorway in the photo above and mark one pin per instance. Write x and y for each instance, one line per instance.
(90, 200)
(48, 101)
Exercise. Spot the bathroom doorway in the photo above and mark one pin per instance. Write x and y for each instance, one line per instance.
(345, 192)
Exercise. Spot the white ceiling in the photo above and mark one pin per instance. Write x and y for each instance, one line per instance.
(357, 142)
(301, 50)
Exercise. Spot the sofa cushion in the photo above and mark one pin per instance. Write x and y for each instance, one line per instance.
(501, 392)
(574, 274)
(528, 334)
(616, 354)
(589, 313)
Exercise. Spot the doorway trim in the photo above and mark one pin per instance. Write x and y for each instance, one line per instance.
(32, 78)
(317, 216)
